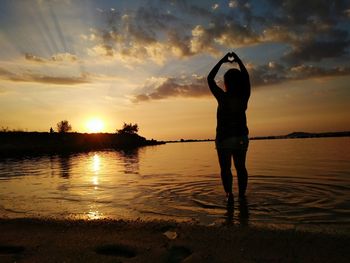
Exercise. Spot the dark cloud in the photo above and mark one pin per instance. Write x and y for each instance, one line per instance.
(188, 31)
(55, 80)
(31, 77)
(138, 32)
(275, 73)
(312, 29)
(188, 7)
(300, 12)
(264, 75)
(227, 33)
(59, 57)
(270, 74)
(333, 44)
(156, 19)
(309, 71)
(64, 57)
(175, 87)
(180, 42)
(31, 57)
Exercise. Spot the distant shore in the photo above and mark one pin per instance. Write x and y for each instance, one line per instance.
(31, 143)
(40, 240)
(293, 135)
(301, 135)
(36, 143)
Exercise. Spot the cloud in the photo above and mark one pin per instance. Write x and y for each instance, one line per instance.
(141, 30)
(59, 57)
(33, 58)
(309, 71)
(312, 29)
(64, 57)
(347, 13)
(269, 74)
(32, 77)
(221, 33)
(132, 34)
(215, 6)
(101, 50)
(298, 12)
(152, 32)
(162, 88)
(274, 73)
(263, 75)
(335, 45)
(133, 37)
(310, 32)
(233, 4)
(55, 80)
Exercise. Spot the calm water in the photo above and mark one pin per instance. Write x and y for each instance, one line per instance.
(298, 183)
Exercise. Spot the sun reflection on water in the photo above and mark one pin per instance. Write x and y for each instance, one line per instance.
(96, 163)
(94, 214)
(96, 166)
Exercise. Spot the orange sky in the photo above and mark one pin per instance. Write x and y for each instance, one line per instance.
(146, 62)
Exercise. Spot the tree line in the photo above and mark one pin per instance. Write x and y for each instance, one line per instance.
(128, 128)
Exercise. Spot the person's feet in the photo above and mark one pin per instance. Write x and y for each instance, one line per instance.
(241, 196)
(229, 198)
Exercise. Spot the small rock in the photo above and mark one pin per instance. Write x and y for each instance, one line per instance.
(170, 234)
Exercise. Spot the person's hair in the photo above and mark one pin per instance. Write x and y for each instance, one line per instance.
(233, 81)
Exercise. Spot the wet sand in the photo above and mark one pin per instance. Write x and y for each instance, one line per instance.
(38, 240)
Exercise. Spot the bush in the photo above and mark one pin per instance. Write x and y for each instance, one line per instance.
(63, 126)
(129, 128)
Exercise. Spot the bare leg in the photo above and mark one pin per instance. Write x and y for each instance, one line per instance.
(239, 158)
(225, 166)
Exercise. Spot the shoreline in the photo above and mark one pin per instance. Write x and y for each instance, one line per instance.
(47, 240)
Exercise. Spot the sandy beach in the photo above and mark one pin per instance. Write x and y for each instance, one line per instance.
(39, 240)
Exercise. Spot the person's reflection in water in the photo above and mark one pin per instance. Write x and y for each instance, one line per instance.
(243, 216)
(243, 212)
(65, 165)
(229, 213)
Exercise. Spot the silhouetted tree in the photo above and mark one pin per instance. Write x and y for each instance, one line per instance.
(129, 128)
(63, 126)
(4, 129)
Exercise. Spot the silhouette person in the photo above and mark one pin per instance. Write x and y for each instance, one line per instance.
(231, 130)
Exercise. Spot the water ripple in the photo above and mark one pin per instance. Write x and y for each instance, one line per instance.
(168, 182)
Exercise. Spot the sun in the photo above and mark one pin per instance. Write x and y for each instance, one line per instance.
(95, 125)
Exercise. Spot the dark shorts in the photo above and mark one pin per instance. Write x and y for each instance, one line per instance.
(233, 143)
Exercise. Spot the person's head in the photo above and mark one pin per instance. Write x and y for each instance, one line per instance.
(233, 81)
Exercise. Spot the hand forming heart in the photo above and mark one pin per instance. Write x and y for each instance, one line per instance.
(231, 58)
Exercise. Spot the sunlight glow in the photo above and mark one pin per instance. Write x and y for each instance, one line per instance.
(95, 125)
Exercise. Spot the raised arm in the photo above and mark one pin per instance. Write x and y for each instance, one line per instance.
(211, 76)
